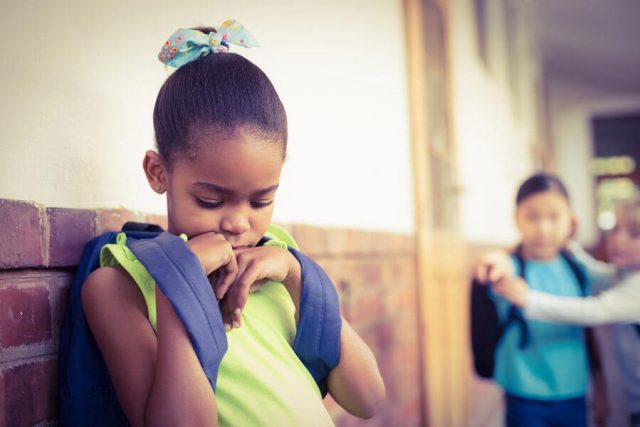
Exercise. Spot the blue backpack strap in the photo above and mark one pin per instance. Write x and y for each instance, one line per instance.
(178, 273)
(85, 393)
(317, 340)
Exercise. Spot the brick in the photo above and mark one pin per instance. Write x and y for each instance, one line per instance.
(20, 234)
(361, 243)
(25, 316)
(59, 299)
(113, 219)
(366, 308)
(69, 232)
(337, 241)
(312, 240)
(160, 220)
(29, 393)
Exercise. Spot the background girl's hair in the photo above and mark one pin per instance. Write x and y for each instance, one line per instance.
(221, 93)
(628, 212)
(538, 183)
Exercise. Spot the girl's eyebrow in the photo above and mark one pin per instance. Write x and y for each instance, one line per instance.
(227, 191)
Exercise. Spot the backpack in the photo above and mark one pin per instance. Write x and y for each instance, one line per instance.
(486, 327)
(85, 393)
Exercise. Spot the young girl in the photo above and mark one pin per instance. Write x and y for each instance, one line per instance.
(620, 304)
(545, 382)
(221, 133)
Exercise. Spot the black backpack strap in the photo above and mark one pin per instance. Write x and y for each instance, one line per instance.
(578, 271)
(515, 313)
(141, 226)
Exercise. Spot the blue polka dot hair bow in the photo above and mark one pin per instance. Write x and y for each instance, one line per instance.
(185, 45)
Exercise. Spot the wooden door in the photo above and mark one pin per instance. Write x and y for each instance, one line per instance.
(442, 269)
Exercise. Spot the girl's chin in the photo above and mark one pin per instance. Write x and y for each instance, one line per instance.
(620, 262)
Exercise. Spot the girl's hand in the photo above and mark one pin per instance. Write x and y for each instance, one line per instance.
(217, 259)
(255, 267)
(514, 289)
(493, 266)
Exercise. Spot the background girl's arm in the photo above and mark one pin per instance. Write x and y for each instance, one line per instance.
(356, 383)
(616, 305)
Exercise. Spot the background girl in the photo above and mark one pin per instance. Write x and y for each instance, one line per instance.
(545, 382)
(620, 304)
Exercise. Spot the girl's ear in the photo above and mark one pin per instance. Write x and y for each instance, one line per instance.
(574, 227)
(155, 171)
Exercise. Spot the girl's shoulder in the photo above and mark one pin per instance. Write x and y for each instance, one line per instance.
(109, 287)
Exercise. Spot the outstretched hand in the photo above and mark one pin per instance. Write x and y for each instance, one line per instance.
(493, 266)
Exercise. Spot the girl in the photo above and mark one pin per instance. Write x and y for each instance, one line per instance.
(545, 382)
(620, 304)
(221, 134)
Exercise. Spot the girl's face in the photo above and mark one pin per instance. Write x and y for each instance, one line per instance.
(228, 188)
(623, 244)
(545, 222)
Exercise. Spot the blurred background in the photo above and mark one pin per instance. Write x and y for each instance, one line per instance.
(411, 125)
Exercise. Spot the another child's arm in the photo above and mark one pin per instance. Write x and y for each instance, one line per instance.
(618, 304)
(178, 391)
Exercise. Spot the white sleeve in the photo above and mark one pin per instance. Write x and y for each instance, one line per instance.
(601, 275)
(620, 304)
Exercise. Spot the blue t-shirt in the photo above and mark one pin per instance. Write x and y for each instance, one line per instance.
(554, 365)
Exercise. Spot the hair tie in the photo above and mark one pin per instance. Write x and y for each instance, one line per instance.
(186, 45)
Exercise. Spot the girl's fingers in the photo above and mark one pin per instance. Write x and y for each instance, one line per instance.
(228, 274)
(244, 281)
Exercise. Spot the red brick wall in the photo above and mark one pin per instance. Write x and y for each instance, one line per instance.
(374, 274)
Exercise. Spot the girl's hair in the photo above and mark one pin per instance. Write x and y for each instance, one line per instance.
(538, 183)
(219, 93)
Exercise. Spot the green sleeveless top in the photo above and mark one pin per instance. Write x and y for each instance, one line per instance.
(261, 381)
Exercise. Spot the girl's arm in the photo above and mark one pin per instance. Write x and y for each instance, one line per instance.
(620, 304)
(356, 383)
(177, 392)
(158, 380)
(180, 393)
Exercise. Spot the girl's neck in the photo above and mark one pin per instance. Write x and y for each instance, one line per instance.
(532, 255)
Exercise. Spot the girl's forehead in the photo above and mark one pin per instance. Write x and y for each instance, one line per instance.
(542, 199)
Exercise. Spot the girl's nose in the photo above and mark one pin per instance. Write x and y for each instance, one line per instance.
(544, 228)
(235, 222)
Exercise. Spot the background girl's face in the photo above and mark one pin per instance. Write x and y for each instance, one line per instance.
(623, 244)
(545, 222)
(228, 188)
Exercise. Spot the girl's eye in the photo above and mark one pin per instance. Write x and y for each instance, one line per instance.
(209, 204)
(257, 204)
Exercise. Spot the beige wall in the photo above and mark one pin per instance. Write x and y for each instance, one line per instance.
(494, 122)
(573, 104)
(79, 80)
